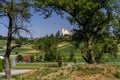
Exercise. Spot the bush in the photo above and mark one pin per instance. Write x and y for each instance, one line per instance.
(1, 65)
(19, 58)
(32, 58)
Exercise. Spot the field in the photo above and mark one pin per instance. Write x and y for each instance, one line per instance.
(65, 49)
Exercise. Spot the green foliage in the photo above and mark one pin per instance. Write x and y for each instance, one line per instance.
(49, 45)
(40, 58)
(32, 58)
(3, 37)
(71, 56)
(92, 20)
(59, 36)
(22, 40)
(48, 57)
(105, 45)
(19, 58)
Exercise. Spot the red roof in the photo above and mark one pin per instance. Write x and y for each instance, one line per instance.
(26, 58)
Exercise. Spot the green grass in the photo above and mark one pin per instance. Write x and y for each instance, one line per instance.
(64, 50)
(2, 43)
(28, 66)
(32, 66)
(20, 50)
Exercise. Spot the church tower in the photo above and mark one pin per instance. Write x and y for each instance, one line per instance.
(65, 32)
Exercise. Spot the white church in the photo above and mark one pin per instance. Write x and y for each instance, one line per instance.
(65, 31)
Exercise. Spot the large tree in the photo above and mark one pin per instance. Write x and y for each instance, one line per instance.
(92, 19)
(18, 13)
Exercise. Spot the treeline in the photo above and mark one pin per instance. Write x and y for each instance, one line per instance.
(20, 40)
(3, 37)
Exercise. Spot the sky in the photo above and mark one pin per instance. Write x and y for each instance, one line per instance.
(41, 27)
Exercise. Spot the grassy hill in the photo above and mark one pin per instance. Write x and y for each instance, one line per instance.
(23, 50)
(64, 48)
(76, 72)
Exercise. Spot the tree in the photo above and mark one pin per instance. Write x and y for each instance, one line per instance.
(19, 58)
(32, 58)
(49, 45)
(18, 14)
(22, 40)
(92, 18)
(40, 58)
(115, 25)
(58, 36)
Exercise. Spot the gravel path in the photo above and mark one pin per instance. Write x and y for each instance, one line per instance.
(15, 72)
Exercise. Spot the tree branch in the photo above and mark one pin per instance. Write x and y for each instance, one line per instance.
(4, 25)
(102, 23)
(20, 28)
(18, 45)
(2, 15)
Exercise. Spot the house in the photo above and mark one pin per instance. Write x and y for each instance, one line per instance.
(26, 58)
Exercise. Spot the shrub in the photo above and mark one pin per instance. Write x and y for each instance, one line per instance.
(32, 58)
(19, 58)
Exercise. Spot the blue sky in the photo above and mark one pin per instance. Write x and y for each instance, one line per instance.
(41, 27)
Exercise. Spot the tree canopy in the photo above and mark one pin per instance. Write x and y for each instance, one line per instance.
(92, 20)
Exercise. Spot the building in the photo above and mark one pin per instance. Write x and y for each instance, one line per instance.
(26, 58)
(65, 32)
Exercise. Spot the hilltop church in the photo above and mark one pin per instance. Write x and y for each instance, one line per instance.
(65, 32)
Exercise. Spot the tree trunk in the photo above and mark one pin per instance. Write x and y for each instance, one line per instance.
(59, 63)
(7, 67)
(90, 52)
(8, 49)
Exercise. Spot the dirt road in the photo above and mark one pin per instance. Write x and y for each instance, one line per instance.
(15, 72)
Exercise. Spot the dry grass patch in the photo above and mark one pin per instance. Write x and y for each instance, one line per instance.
(27, 46)
(32, 51)
(77, 72)
(63, 44)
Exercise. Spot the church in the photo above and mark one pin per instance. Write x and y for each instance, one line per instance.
(65, 32)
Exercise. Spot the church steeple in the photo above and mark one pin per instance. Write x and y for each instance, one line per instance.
(64, 31)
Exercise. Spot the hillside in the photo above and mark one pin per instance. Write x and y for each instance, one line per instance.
(77, 72)
(64, 48)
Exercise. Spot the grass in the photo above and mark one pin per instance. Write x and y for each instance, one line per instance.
(2, 43)
(77, 72)
(65, 49)
(32, 66)
(28, 66)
